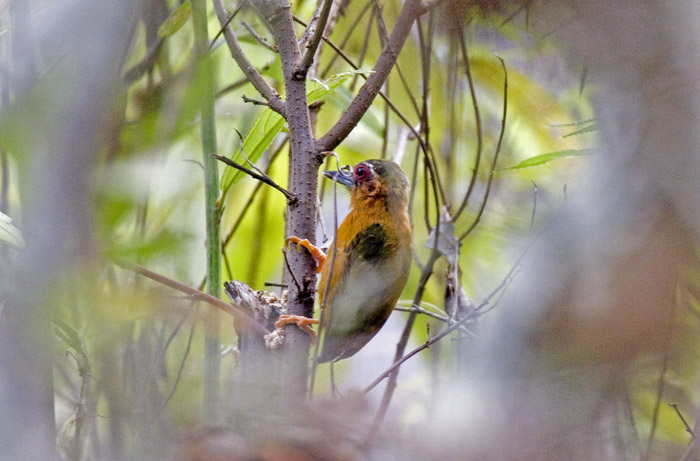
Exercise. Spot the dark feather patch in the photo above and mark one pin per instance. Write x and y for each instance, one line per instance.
(371, 244)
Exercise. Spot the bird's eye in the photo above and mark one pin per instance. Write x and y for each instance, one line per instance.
(362, 173)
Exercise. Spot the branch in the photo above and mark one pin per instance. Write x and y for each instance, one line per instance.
(383, 95)
(259, 38)
(262, 177)
(275, 101)
(472, 315)
(140, 68)
(393, 372)
(495, 155)
(237, 313)
(425, 148)
(436, 316)
(247, 205)
(429, 5)
(357, 108)
(312, 47)
(350, 33)
(479, 311)
(688, 429)
(477, 119)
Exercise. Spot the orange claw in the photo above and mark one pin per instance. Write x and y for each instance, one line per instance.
(302, 322)
(316, 252)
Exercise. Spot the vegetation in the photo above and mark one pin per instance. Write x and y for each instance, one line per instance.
(154, 150)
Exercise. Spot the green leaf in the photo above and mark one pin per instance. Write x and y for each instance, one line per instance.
(164, 242)
(316, 89)
(176, 20)
(576, 123)
(10, 234)
(259, 138)
(270, 123)
(548, 157)
(582, 130)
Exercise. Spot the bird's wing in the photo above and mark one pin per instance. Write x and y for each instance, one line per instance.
(365, 292)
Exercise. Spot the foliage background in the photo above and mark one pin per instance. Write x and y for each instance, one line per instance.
(127, 354)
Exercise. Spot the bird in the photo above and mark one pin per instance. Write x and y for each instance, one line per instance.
(373, 253)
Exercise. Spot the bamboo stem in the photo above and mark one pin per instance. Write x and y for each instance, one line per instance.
(212, 341)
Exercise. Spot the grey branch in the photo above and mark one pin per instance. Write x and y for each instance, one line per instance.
(270, 94)
(312, 47)
(352, 115)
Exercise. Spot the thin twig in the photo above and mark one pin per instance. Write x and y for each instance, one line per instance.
(252, 165)
(275, 284)
(411, 197)
(289, 268)
(400, 348)
(475, 313)
(495, 155)
(312, 47)
(429, 5)
(442, 318)
(426, 53)
(247, 205)
(660, 387)
(369, 90)
(324, 310)
(394, 108)
(384, 36)
(350, 33)
(404, 81)
(477, 118)
(224, 25)
(363, 51)
(237, 313)
(270, 94)
(140, 68)
(291, 199)
(259, 38)
(688, 429)
(425, 345)
(237, 84)
(255, 102)
(178, 376)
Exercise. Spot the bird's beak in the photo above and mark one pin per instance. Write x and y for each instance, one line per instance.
(343, 178)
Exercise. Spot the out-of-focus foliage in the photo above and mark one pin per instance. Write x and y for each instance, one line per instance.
(127, 351)
(9, 234)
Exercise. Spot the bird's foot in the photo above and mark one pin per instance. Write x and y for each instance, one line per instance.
(302, 322)
(316, 252)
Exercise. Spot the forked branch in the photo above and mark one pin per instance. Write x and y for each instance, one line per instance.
(270, 94)
(411, 10)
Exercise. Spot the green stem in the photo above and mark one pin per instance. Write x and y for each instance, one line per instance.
(212, 341)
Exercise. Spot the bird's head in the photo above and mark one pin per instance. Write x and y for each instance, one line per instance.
(374, 180)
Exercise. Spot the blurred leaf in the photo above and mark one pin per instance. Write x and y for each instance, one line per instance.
(587, 129)
(576, 123)
(176, 20)
(10, 234)
(447, 243)
(270, 123)
(164, 242)
(68, 335)
(548, 157)
(529, 105)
